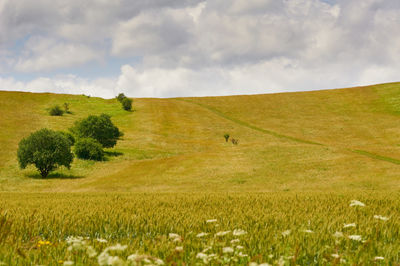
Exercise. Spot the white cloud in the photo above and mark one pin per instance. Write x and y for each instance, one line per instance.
(202, 47)
(42, 54)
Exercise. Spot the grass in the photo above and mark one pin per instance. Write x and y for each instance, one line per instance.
(301, 158)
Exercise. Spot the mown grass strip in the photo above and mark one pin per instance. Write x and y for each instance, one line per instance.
(245, 124)
(377, 156)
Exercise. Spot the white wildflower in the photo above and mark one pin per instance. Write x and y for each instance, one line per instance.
(239, 247)
(101, 240)
(102, 259)
(338, 234)
(355, 237)
(115, 261)
(68, 262)
(286, 233)
(206, 249)
(270, 256)
(349, 225)
(201, 256)
(173, 235)
(202, 234)
(242, 255)
(264, 264)
(227, 250)
(379, 258)
(239, 232)
(253, 264)
(222, 233)
(117, 247)
(91, 252)
(336, 256)
(179, 249)
(356, 203)
(158, 261)
(235, 241)
(380, 217)
(211, 221)
(308, 231)
(146, 260)
(133, 257)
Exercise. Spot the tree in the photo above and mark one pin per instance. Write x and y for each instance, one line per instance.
(120, 97)
(56, 111)
(127, 104)
(46, 149)
(99, 128)
(88, 148)
(226, 136)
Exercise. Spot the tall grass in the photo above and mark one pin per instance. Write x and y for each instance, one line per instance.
(289, 228)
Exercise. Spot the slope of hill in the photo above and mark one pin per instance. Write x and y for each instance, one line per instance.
(345, 139)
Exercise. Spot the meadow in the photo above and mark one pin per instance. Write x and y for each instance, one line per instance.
(281, 196)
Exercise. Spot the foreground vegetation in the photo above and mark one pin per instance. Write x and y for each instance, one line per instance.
(276, 228)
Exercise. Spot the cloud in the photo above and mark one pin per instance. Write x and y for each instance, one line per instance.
(43, 54)
(193, 47)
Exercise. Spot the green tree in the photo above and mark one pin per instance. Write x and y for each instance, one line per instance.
(127, 104)
(56, 111)
(46, 149)
(88, 148)
(120, 97)
(99, 128)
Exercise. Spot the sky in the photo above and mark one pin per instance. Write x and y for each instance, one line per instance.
(172, 48)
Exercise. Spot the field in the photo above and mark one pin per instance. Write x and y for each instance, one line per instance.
(284, 191)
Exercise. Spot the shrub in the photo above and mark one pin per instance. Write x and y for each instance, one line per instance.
(127, 104)
(99, 128)
(235, 141)
(69, 136)
(120, 97)
(66, 108)
(46, 149)
(56, 111)
(226, 136)
(88, 148)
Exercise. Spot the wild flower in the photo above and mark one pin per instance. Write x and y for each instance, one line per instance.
(239, 232)
(239, 247)
(241, 255)
(349, 225)
(202, 234)
(355, 237)
(308, 231)
(235, 241)
(227, 250)
(91, 252)
(117, 247)
(338, 234)
(211, 221)
(336, 256)
(201, 256)
(68, 262)
(101, 240)
(179, 249)
(379, 258)
(356, 203)
(380, 217)
(173, 235)
(286, 233)
(222, 233)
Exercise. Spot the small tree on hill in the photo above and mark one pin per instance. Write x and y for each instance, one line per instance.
(127, 104)
(46, 149)
(90, 149)
(99, 128)
(56, 111)
(120, 97)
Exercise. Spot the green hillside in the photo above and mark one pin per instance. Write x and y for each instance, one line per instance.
(332, 140)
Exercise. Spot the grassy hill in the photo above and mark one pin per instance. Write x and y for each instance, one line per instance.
(332, 140)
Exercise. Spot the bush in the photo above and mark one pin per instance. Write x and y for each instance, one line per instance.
(127, 104)
(99, 128)
(69, 136)
(56, 111)
(46, 149)
(88, 148)
(226, 136)
(120, 97)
